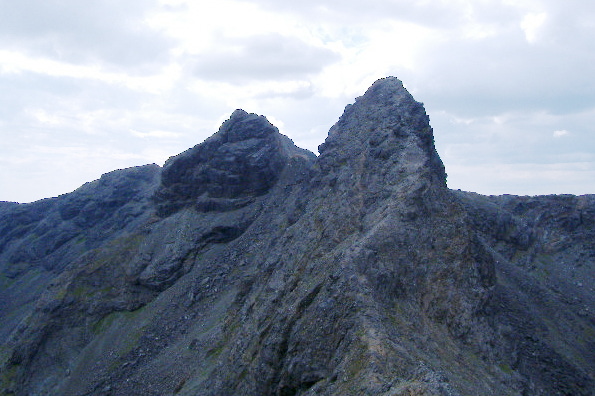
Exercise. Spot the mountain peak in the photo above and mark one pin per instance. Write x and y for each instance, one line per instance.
(243, 159)
(242, 125)
(389, 128)
(387, 88)
(269, 271)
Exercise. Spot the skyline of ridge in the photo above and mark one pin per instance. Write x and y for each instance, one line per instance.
(89, 88)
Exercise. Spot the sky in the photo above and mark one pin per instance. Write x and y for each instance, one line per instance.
(90, 87)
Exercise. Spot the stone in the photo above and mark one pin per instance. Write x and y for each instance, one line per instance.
(248, 266)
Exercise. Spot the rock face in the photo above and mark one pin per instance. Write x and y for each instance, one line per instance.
(241, 161)
(248, 266)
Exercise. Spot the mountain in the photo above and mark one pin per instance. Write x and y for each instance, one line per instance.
(249, 266)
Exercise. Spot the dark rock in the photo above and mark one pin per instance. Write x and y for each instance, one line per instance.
(248, 266)
(244, 159)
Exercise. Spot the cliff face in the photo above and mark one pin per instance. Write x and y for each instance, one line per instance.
(249, 266)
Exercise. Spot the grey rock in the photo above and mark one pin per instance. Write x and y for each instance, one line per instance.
(242, 160)
(249, 266)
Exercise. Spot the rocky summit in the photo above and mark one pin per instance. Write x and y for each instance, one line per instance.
(249, 266)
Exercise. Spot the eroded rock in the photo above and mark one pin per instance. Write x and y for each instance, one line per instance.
(248, 266)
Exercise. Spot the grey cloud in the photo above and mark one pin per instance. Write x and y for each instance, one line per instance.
(320, 112)
(183, 102)
(571, 22)
(524, 178)
(503, 73)
(89, 117)
(25, 89)
(492, 76)
(299, 93)
(59, 94)
(519, 139)
(264, 57)
(520, 155)
(433, 14)
(82, 32)
(473, 79)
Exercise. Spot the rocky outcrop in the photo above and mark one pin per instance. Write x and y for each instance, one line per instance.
(249, 266)
(41, 240)
(241, 161)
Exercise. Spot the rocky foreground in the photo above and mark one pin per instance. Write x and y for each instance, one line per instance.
(249, 266)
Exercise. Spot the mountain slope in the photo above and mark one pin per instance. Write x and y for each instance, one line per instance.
(249, 266)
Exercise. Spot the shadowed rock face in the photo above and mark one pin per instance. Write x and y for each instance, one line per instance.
(249, 266)
(241, 161)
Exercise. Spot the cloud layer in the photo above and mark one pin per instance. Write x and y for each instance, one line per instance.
(88, 88)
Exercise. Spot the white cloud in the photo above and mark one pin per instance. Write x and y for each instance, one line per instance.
(560, 133)
(155, 134)
(12, 62)
(97, 32)
(58, 169)
(264, 57)
(142, 80)
(532, 24)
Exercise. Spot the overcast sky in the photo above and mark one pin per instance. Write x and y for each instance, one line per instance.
(87, 87)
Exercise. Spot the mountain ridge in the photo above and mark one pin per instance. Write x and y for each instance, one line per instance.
(249, 266)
